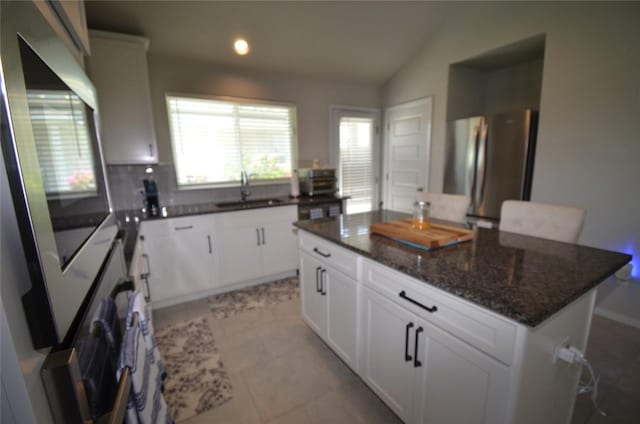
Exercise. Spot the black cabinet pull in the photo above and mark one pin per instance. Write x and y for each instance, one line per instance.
(258, 236)
(264, 241)
(322, 288)
(407, 357)
(416, 362)
(326, 255)
(209, 241)
(318, 289)
(186, 227)
(430, 309)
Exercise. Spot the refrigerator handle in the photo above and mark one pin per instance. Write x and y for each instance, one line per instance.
(474, 174)
(482, 163)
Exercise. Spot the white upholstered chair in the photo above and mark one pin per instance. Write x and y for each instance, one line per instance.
(553, 222)
(450, 207)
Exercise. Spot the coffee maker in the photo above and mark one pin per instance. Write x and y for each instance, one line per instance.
(151, 197)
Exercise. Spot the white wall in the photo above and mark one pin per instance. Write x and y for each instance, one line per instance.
(312, 97)
(589, 130)
(515, 87)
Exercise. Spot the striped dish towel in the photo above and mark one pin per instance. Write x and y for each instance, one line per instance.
(146, 403)
(137, 305)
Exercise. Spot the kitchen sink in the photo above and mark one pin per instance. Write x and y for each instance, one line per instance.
(249, 203)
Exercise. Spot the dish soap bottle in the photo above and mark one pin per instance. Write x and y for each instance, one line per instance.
(421, 215)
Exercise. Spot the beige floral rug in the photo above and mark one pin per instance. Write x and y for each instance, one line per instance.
(225, 305)
(197, 380)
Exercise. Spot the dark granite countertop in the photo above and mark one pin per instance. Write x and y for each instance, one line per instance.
(526, 279)
(129, 220)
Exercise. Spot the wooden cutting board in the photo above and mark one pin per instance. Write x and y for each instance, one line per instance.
(437, 235)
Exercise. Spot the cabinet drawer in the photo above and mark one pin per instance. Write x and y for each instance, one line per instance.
(258, 217)
(482, 329)
(186, 224)
(334, 256)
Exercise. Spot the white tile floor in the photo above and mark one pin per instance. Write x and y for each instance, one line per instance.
(282, 373)
(280, 370)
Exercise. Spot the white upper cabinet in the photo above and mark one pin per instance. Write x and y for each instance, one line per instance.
(118, 68)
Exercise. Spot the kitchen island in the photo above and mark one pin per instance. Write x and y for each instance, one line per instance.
(465, 333)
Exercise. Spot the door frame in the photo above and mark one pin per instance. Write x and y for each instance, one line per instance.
(335, 111)
(386, 146)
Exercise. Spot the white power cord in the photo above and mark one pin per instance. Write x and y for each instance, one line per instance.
(573, 355)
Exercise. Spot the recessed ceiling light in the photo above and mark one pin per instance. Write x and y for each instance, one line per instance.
(241, 46)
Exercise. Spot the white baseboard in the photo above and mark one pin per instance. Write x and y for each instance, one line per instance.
(619, 301)
(615, 316)
(217, 290)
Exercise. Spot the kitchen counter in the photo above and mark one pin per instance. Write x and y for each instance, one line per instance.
(526, 279)
(128, 220)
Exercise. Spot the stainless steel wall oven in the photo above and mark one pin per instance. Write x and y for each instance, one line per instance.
(51, 149)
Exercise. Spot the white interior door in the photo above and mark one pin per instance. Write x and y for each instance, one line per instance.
(355, 155)
(407, 146)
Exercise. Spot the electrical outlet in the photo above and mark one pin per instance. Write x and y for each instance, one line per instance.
(556, 352)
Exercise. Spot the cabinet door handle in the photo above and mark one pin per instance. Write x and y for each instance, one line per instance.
(407, 357)
(322, 288)
(258, 236)
(209, 241)
(147, 296)
(326, 255)
(416, 362)
(150, 149)
(146, 258)
(318, 289)
(186, 227)
(264, 241)
(431, 309)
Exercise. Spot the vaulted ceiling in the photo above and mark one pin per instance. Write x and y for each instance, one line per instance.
(365, 41)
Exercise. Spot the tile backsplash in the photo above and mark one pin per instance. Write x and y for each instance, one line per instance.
(126, 188)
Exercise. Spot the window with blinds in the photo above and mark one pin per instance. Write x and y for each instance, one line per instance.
(60, 129)
(214, 140)
(357, 172)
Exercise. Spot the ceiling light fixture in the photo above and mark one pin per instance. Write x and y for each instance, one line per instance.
(241, 46)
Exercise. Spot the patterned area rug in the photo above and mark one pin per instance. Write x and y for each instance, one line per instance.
(228, 304)
(196, 381)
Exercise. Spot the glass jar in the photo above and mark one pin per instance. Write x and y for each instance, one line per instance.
(421, 215)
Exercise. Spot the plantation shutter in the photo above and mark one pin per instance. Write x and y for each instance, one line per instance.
(213, 140)
(265, 140)
(357, 172)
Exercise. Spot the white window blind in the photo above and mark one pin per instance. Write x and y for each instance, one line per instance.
(213, 140)
(60, 129)
(357, 172)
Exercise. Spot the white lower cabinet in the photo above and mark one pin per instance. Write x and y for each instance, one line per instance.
(432, 357)
(182, 258)
(387, 354)
(424, 374)
(140, 270)
(330, 306)
(256, 243)
(457, 383)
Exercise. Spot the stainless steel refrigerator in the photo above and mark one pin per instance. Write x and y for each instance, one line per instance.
(490, 158)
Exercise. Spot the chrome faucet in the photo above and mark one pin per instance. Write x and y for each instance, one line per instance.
(244, 185)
